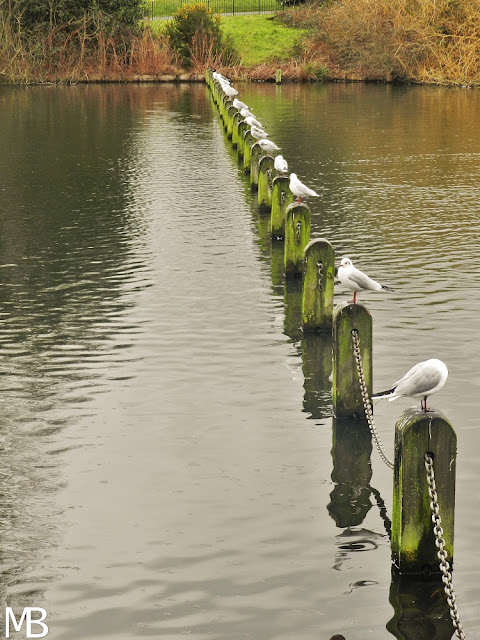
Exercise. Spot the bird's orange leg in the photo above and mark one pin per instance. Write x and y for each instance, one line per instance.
(354, 298)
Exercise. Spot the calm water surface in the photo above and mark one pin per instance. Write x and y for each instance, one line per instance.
(166, 433)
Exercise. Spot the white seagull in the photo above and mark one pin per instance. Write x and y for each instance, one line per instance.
(268, 145)
(253, 122)
(238, 104)
(230, 91)
(280, 164)
(356, 280)
(421, 381)
(258, 133)
(245, 113)
(299, 189)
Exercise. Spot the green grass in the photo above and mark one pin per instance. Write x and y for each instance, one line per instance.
(258, 38)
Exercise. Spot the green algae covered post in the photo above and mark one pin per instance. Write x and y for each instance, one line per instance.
(231, 111)
(318, 277)
(235, 129)
(265, 170)
(346, 394)
(297, 236)
(248, 141)
(242, 128)
(413, 541)
(282, 197)
(256, 153)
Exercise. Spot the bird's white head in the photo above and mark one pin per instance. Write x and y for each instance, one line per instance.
(345, 262)
(293, 175)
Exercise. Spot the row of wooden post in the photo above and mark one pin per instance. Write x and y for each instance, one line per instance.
(416, 432)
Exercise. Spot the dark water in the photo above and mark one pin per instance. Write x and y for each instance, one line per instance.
(166, 434)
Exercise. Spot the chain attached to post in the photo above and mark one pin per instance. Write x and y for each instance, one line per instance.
(366, 401)
(440, 544)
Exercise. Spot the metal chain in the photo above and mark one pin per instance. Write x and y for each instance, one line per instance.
(299, 230)
(440, 544)
(320, 274)
(366, 401)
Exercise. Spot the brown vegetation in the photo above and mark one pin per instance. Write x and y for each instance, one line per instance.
(428, 41)
(76, 55)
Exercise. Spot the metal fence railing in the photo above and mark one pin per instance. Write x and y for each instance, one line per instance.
(165, 8)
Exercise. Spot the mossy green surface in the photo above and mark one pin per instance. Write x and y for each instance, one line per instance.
(346, 394)
(282, 198)
(265, 170)
(413, 543)
(297, 236)
(318, 278)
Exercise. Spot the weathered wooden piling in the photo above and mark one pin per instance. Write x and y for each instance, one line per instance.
(256, 153)
(226, 104)
(248, 141)
(413, 541)
(231, 111)
(265, 169)
(278, 76)
(242, 128)
(282, 197)
(346, 393)
(318, 277)
(297, 236)
(235, 124)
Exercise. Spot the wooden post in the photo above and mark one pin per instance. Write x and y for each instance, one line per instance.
(235, 125)
(347, 397)
(278, 76)
(318, 277)
(227, 103)
(265, 170)
(282, 197)
(248, 141)
(256, 152)
(297, 236)
(231, 111)
(413, 542)
(352, 472)
(242, 127)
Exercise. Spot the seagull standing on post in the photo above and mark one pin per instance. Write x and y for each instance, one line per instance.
(356, 280)
(421, 381)
(280, 164)
(299, 189)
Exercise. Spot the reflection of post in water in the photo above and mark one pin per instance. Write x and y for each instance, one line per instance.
(293, 309)
(352, 470)
(317, 369)
(420, 609)
(276, 254)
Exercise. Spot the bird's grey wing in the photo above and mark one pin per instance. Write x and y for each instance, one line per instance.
(420, 383)
(410, 372)
(362, 280)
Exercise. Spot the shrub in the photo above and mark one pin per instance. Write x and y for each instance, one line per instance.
(195, 34)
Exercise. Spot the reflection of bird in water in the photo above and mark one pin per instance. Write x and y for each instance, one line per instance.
(356, 280)
(421, 381)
